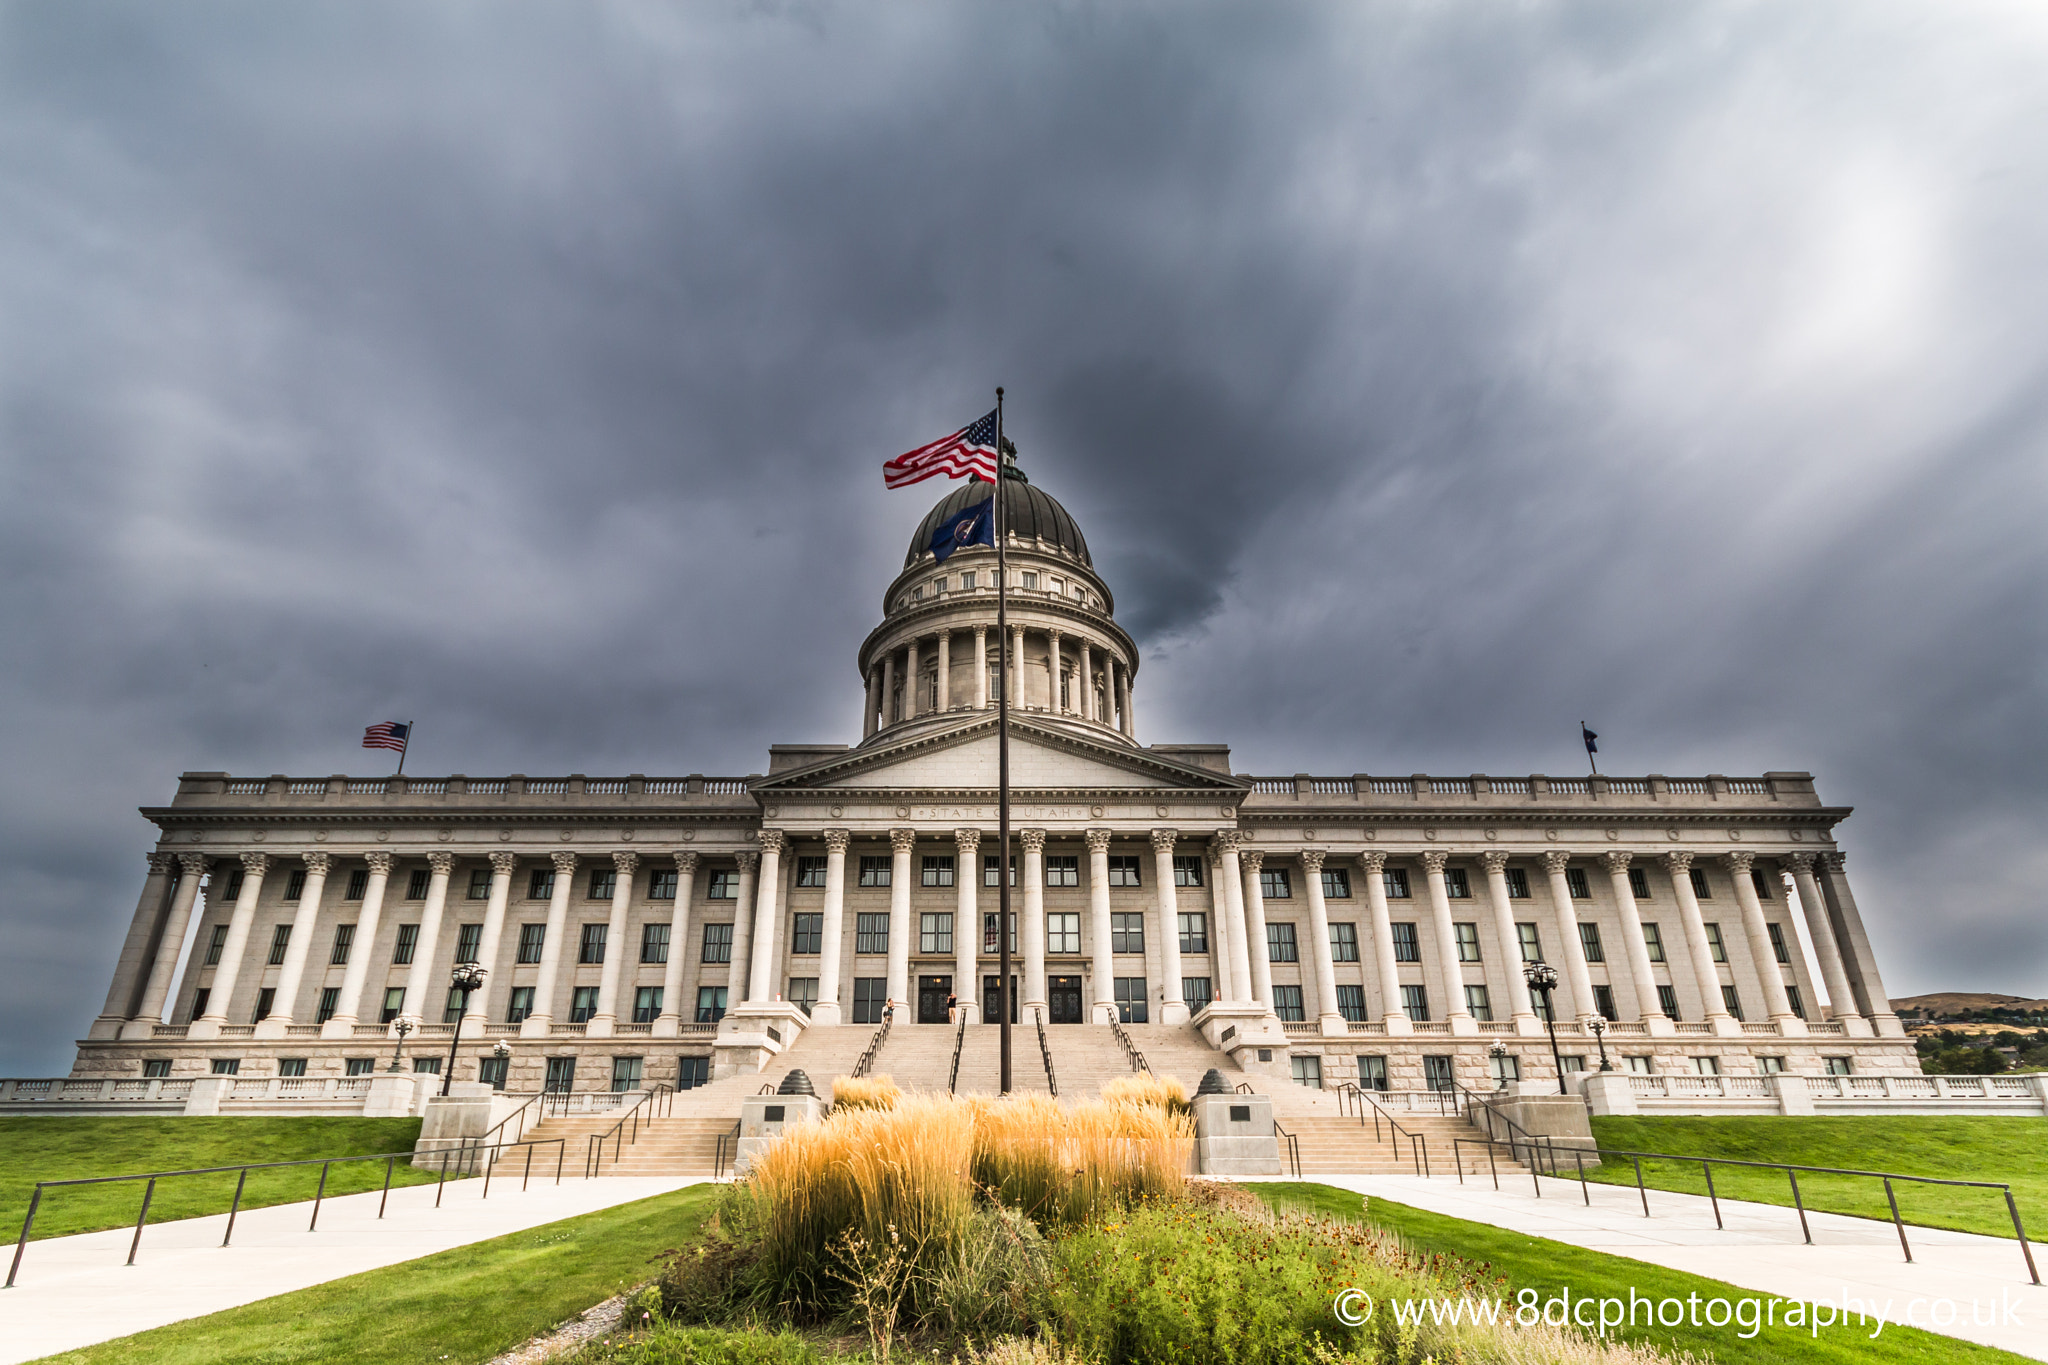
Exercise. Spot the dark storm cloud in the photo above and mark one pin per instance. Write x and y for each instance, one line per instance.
(1425, 378)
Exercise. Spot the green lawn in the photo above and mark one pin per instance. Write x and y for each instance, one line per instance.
(2013, 1150)
(62, 1147)
(1537, 1263)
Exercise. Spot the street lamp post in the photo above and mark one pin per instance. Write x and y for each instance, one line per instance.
(1599, 1027)
(502, 1050)
(1542, 979)
(466, 977)
(402, 1027)
(1499, 1052)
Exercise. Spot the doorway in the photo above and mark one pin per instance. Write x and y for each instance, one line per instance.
(1063, 999)
(931, 998)
(990, 1014)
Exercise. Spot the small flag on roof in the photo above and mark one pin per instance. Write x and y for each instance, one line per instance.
(392, 734)
(967, 453)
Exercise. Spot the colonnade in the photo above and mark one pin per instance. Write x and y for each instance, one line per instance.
(899, 688)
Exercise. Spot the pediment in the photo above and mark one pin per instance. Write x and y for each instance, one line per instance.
(964, 758)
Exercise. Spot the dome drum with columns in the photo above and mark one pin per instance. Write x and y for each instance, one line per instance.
(1311, 929)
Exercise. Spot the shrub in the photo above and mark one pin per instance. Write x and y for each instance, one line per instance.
(668, 1344)
(1065, 1168)
(865, 1092)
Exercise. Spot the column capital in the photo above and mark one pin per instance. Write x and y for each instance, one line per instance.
(1740, 861)
(836, 840)
(1555, 860)
(1098, 840)
(966, 840)
(194, 864)
(255, 864)
(773, 841)
(1833, 860)
(317, 861)
(380, 861)
(1251, 859)
(1616, 860)
(902, 840)
(1678, 860)
(1798, 862)
(624, 861)
(1052, 633)
(565, 862)
(749, 860)
(441, 861)
(503, 862)
(1372, 862)
(686, 860)
(1163, 840)
(1494, 860)
(160, 863)
(1434, 859)
(1312, 860)
(1219, 847)
(1032, 839)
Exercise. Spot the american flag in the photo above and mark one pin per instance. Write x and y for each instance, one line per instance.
(970, 451)
(392, 734)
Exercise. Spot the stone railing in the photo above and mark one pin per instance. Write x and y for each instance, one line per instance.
(1361, 789)
(1681, 1093)
(163, 1093)
(379, 1095)
(455, 790)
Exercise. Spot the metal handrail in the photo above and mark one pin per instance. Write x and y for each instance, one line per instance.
(1293, 1148)
(1418, 1144)
(867, 1058)
(1131, 1053)
(468, 1151)
(727, 1151)
(959, 1042)
(1471, 1101)
(1052, 1082)
(520, 1114)
(663, 1094)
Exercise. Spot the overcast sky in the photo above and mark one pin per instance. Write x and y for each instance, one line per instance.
(1426, 378)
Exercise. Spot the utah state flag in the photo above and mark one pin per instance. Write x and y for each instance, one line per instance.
(974, 525)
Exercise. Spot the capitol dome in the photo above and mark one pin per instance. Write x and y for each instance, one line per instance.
(1033, 515)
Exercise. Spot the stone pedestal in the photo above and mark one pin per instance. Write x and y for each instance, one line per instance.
(204, 1099)
(1562, 1119)
(753, 1033)
(1608, 1092)
(391, 1096)
(763, 1119)
(1234, 1135)
(1252, 1037)
(1793, 1095)
(452, 1122)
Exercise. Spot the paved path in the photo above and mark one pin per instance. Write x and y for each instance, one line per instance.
(73, 1291)
(1761, 1249)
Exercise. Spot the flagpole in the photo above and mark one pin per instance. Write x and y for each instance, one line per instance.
(402, 748)
(1002, 760)
(1591, 761)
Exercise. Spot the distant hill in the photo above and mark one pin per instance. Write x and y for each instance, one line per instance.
(1961, 1002)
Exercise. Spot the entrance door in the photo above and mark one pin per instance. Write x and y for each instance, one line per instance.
(989, 1013)
(931, 998)
(1063, 999)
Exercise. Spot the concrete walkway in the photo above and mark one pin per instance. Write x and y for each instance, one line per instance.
(74, 1291)
(1761, 1249)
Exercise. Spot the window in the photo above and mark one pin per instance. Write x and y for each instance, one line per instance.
(1531, 943)
(992, 867)
(582, 1004)
(807, 934)
(1395, 881)
(1731, 1002)
(717, 943)
(522, 1005)
(1653, 942)
(394, 1004)
(1437, 1073)
(1667, 1001)
(232, 887)
(1792, 998)
(661, 886)
(1336, 884)
(358, 1066)
(710, 1004)
(810, 871)
(1280, 944)
(1132, 1005)
(1063, 933)
(1641, 1066)
(416, 885)
(1778, 948)
(493, 1071)
(541, 885)
(625, 1074)
(291, 1066)
(1194, 993)
(358, 885)
(935, 932)
(561, 1075)
(216, 944)
(532, 938)
(1030, 580)
(1543, 1007)
(1372, 1072)
(469, 941)
(723, 886)
(1351, 1003)
(1467, 936)
(604, 882)
(1575, 883)
(1344, 943)
(967, 581)
(1274, 885)
(265, 998)
(1518, 884)
(1706, 1066)
(692, 1072)
(1603, 1002)
(1123, 870)
(1699, 884)
(1308, 1071)
(227, 1066)
(1415, 1003)
(1187, 869)
(654, 942)
(870, 998)
(646, 1004)
(1770, 1066)
(1479, 1004)
(938, 870)
(452, 1007)
(295, 884)
(870, 935)
(1837, 1066)
(1589, 941)
(874, 869)
(1455, 885)
(1761, 882)
(330, 1001)
(1126, 932)
(1639, 883)
(480, 887)
(1716, 949)
(1287, 1004)
(1194, 931)
(281, 940)
(407, 944)
(590, 944)
(1506, 1068)
(1063, 870)
(1406, 948)
(1573, 1063)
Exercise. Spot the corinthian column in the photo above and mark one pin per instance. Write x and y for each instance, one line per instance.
(1813, 909)
(827, 1011)
(1257, 956)
(1447, 964)
(913, 704)
(1496, 865)
(768, 909)
(945, 670)
(304, 923)
(1052, 672)
(889, 687)
(1866, 985)
(150, 1011)
(421, 978)
(967, 922)
(867, 724)
(1616, 862)
(1098, 924)
(1173, 1009)
(234, 950)
(1372, 867)
(133, 964)
(1084, 676)
(354, 980)
(541, 1020)
(668, 1024)
(901, 841)
(981, 668)
(1576, 976)
(1227, 899)
(1705, 973)
(1768, 978)
(742, 951)
(1328, 1018)
(604, 1023)
(503, 863)
(1016, 672)
(1032, 876)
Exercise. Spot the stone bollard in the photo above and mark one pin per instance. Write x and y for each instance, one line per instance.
(1233, 1133)
(763, 1118)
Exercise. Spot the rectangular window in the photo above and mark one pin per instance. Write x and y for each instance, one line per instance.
(215, 944)
(407, 944)
(1372, 1072)
(1478, 1004)
(532, 938)
(710, 1004)
(1731, 1002)
(654, 942)
(1770, 1066)
(1531, 942)
(1667, 1001)
(935, 932)
(1575, 883)
(1792, 998)
(469, 941)
(590, 944)
(1126, 932)
(1468, 941)
(358, 885)
(1336, 884)
(1062, 933)
(522, 1005)
(1639, 883)
(1030, 581)
(807, 934)
(1344, 943)
(1187, 869)
(1280, 944)
(870, 998)
(1308, 1071)
(295, 884)
(199, 999)
(967, 581)
(1778, 948)
(1603, 1002)
(1123, 871)
(227, 1066)
(938, 870)
(265, 998)
(803, 992)
(871, 935)
(1194, 993)
(1351, 1003)
(358, 1066)
(1761, 881)
(717, 943)
(1545, 1009)
(291, 1066)
(810, 871)
(540, 885)
(1455, 886)
(1133, 1006)
(394, 1004)
(661, 885)
(874, 869)
(1573, 1063)
(988, 939)
(1589, 941)
(480, 885)
(1287, 1004)
(1706, 1066)
(603, 882)
(1700, 889)
(451, 1008)
(1415, 1003)
(281, 942)
(646, 1004)
(1395, 881)
(1274, 884)
(1716, 949)
(1837, 1066)
(1507, 1068)
(493, 1071)
(582, 1004)
(416, 885)
(723, 886)
(561, 1075)
(1406, 947)
(1062, 870)
(692, 1072)
(1518, 884)
(330, 1001)
(1640, 1065)
(992, 868)
(1653, 941)
(1194, 931)
(1437, 1072)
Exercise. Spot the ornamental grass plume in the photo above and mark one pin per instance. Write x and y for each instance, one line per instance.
(865, 1092)
(1163, 1091)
